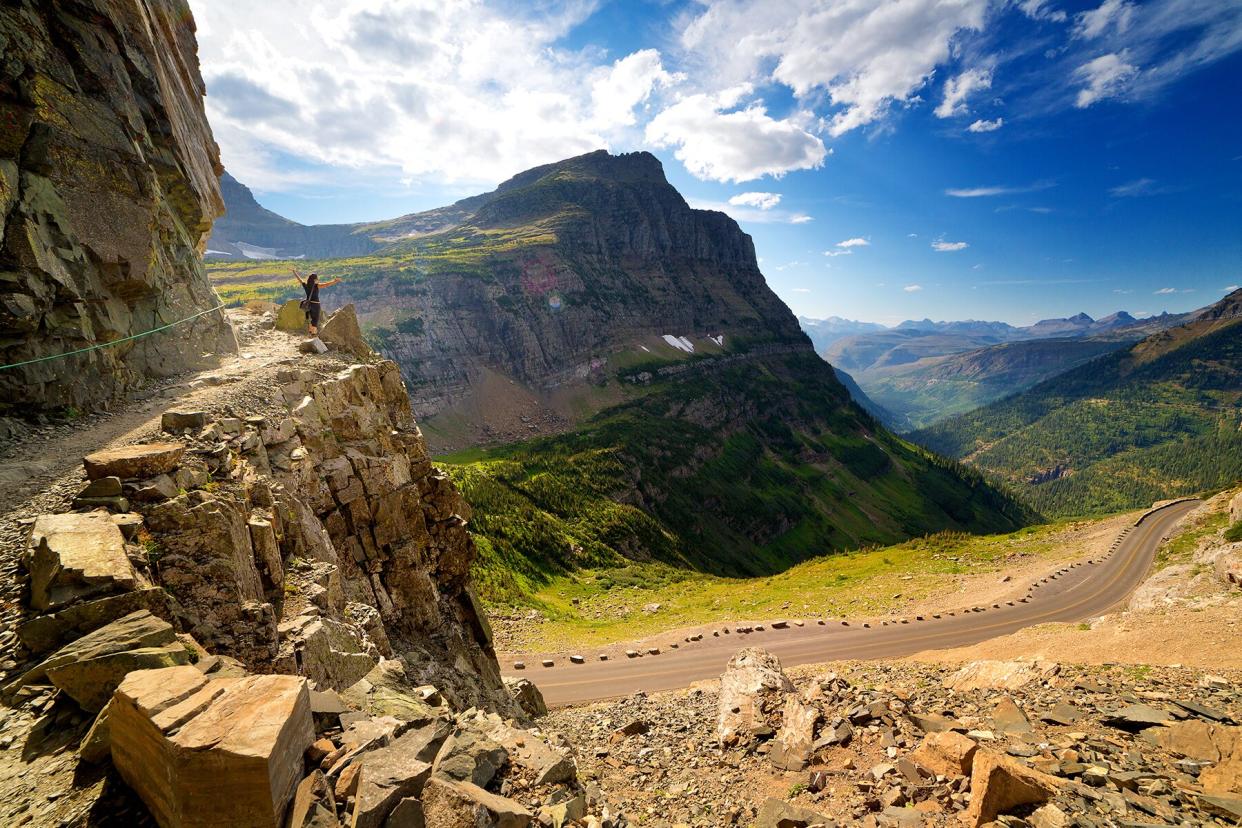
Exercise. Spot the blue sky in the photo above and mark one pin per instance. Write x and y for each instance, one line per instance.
(946, 158)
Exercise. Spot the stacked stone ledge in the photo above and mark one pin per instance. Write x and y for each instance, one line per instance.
(249, 584)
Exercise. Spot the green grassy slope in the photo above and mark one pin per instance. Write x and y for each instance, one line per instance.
(1157, 420)
(740, 471)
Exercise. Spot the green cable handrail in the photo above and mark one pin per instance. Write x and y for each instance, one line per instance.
(110, 344)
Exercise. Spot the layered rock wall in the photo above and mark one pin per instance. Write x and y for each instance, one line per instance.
(108, 186)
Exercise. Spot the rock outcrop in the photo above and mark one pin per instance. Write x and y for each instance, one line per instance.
(108, 186)
(210, 752)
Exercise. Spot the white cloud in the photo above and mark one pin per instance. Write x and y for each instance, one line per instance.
(948, 247)
(747, 214)
(1107, 76)
(1040, 10)
(628, 83)
(1112, 15)
(1165, 291)
(854, 242)
(864, 56)
(454, 91)
(801, 290)
(986, 126)
(718, 141)
(764, 201)
(832, 253)
(912, 288)
(957, 90)
(997, 189)
(1136, 188)
(1231, 288)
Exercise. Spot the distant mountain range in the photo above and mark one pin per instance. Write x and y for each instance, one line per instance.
(824, 332)
(923, 371)
(1157, 418)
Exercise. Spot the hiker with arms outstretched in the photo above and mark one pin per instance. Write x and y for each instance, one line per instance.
(311, 303)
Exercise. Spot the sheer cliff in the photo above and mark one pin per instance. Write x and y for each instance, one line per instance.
(108, 185)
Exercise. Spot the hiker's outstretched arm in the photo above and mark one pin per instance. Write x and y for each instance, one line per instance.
(330, 283)
(297, 275)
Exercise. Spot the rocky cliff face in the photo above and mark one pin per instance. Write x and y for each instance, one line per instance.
(554, 278)
(108, 185)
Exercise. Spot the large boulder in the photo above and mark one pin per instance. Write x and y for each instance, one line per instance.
(527, 695)
(793, 746)
(134, 462)
(385, 691)
(777, 813)
(327, 652)
(393, 773)
(998, 784)
(342, 333)
(1000, 675)
(291, 318)
(752, 693)
(91, 668)
(448, 804)
(75, 556)
(946, 754)
(211, 752)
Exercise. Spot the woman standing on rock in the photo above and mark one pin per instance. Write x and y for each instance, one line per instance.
(311, 303)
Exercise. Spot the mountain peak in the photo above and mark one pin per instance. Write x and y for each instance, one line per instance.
(627, 167)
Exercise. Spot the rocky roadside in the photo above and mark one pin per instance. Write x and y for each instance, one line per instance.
(906, 744)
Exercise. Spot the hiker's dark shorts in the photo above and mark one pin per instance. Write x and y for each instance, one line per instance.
(312, 314)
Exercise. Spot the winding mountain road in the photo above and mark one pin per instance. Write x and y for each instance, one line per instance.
(1078, 591)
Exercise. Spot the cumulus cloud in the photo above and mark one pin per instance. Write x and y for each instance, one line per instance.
(948, 247)
(912, 288)
(986, 126)
(854, 242)
(455, 90)
(865, 57)
(764, 201)
(800, 218)
(958, 89)
(1231, 288)
(1107, 76)
(718, 140)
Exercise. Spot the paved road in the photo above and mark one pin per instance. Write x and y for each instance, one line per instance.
(1079, 591)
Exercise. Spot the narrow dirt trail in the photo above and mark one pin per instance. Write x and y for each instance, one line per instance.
(42, 471)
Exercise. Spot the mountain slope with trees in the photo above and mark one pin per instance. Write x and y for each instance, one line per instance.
(1158, 419)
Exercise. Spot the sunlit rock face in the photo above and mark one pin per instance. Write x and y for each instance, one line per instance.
(108, 186)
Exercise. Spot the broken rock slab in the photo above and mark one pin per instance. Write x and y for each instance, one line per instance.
(134, 462)
(752, 691)
(794, 742)
(527, 696)
(777, 813)
(211, 752)
(448, 804)
(342, 332)
(946, 753)
(999, 784)
(325, 651)
(1000, 675)
(76, 556)
(91, 668)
